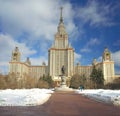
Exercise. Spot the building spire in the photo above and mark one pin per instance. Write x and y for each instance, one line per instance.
(61, 18)
(61, 27)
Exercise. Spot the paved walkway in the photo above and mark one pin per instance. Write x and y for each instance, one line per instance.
(64, 104)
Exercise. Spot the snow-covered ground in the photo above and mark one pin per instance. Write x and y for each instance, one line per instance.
(32, 97)
(108, 96)
(24, 97)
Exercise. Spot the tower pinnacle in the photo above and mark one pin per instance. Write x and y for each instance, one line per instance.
(61, 27)
(61, 18)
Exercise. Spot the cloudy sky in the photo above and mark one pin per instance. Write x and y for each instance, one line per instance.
(92, 25)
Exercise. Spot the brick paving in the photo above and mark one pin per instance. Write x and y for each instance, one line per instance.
(64, 104)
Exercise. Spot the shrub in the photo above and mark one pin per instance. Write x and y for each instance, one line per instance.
(77, 80)
(114, 85)
(43, 84)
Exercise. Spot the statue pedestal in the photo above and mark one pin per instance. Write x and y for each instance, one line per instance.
(63, 86)
(63, 81)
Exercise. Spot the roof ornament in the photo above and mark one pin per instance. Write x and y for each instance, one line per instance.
(61, 18)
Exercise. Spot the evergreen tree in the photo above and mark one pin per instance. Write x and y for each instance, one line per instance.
(97, 77)
(100, 78)
(113, 85)
(94, 74)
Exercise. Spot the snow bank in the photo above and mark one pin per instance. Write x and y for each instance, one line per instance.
(108, 96)
(24, 97)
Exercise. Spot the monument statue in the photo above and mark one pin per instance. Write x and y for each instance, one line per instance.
(63, 78)
(63, 85)
(63, 70)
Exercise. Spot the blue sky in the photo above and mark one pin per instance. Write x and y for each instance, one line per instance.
(31, 25)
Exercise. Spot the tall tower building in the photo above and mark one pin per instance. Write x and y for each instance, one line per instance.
(61, 53)
(108, 66)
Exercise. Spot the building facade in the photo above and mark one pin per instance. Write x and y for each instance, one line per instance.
(60, 53)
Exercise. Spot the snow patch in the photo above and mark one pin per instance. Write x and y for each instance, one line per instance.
(108, 96)
(24, 97)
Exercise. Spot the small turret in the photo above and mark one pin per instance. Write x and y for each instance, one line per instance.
(78, 64)
(16, 55)
(94, 62)
(28, 61)
(106, 55)
(43, 63)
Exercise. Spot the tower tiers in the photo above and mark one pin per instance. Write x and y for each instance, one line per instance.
(61, 53)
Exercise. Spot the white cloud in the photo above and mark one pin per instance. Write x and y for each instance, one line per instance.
(7, 45)
(89, 44)
(31, 25)
(99, 59)
(96, 13)
(39, 60)
(116, 58)
(77, 57)
(93, 42)
(85, 50)
(36, 17)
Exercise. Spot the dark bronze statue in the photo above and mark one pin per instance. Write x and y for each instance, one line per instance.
(63, 70)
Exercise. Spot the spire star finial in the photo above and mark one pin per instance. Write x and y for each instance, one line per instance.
(61, 18)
